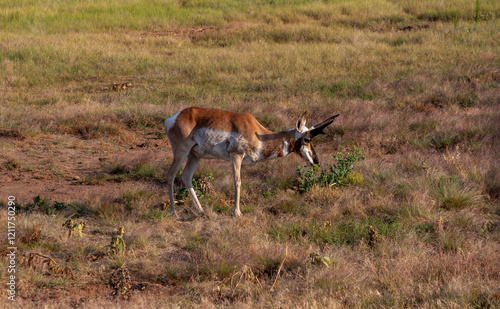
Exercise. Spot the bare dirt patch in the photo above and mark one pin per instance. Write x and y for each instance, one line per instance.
(72, 294)
(52, 166)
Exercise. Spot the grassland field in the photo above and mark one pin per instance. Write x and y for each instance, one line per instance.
(85, 87)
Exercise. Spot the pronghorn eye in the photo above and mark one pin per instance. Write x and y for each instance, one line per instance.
(307, 140)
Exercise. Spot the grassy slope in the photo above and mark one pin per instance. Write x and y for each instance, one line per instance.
(422, 103)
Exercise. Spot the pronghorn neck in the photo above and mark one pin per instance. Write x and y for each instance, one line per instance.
(278, 144)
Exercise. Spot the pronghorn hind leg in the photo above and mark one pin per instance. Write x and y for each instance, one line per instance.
(236, 164)
(179, 158)
(187, 178)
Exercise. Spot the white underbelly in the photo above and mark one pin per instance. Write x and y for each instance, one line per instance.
(212, 144)
(218, 151)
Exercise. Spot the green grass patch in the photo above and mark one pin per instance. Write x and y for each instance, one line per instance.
(349, 232)
(452, 194)
(156, 214)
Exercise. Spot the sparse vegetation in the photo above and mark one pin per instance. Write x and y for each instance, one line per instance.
(117, 244)
(450, 194)
(337, 175)
(75, 229)
(87, 85)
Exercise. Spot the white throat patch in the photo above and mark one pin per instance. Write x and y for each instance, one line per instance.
(285, 149)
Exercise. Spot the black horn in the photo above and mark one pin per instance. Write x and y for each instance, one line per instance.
(318, 129)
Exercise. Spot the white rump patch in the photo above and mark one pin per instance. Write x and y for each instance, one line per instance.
(170, 122)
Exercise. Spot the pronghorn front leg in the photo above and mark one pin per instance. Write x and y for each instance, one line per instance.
(179, 158)
(187, 178)
(236, 163)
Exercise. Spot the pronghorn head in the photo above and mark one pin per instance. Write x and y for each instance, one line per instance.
(303, 143)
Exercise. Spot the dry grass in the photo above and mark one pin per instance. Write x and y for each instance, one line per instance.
(416, 84)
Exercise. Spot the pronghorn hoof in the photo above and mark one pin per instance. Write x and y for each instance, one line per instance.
(237, 214)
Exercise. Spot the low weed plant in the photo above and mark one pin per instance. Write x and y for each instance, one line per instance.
(336, 175)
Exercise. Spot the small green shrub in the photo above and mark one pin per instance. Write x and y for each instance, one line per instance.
(39, 203)
(337, 175)
(59, 206)
(43, 205)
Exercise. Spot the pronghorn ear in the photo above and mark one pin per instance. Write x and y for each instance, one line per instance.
(318, 129)
(301, 122)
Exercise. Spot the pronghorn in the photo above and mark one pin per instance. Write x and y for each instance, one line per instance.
(195, 133)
